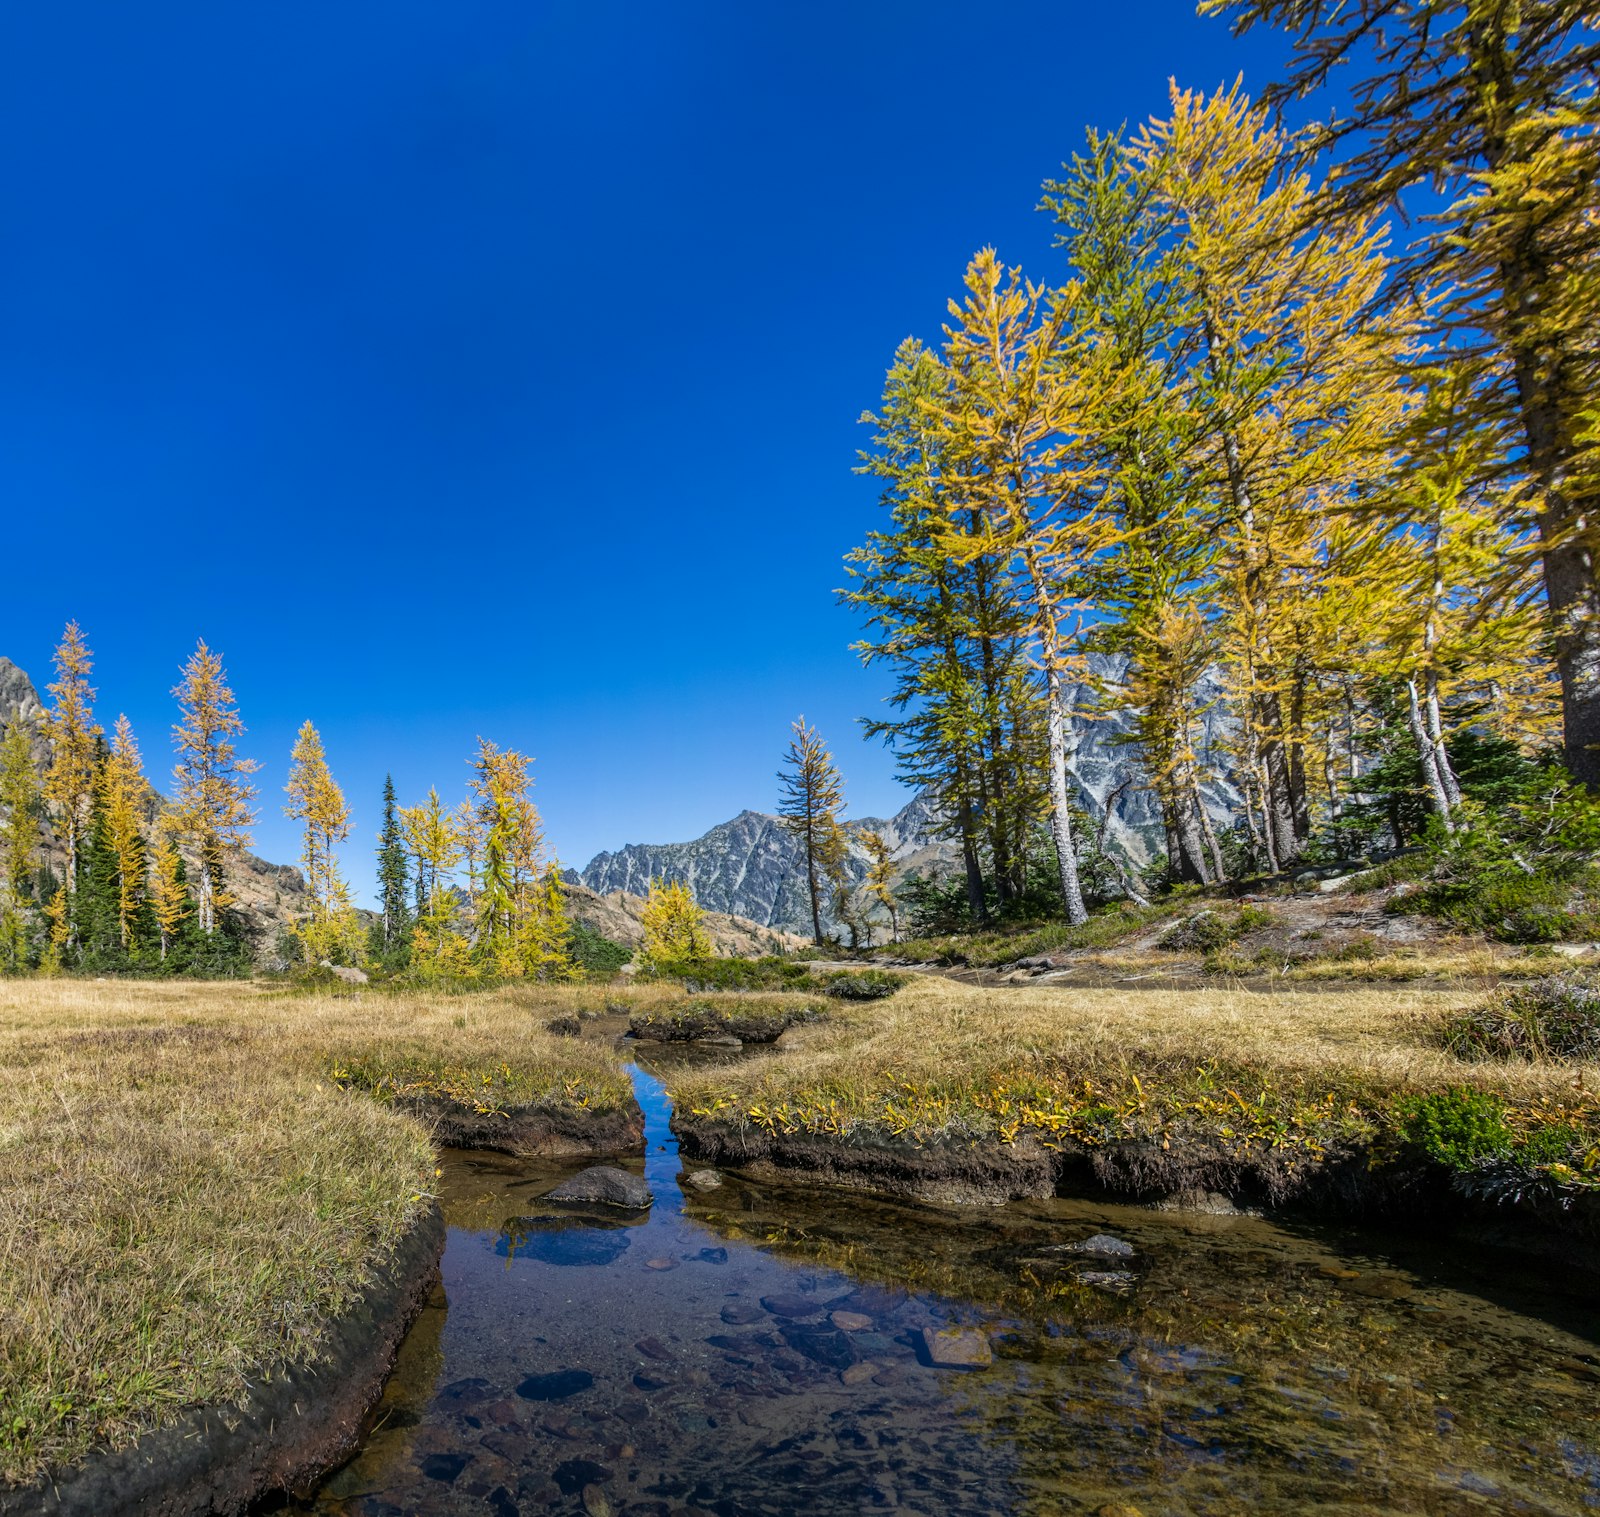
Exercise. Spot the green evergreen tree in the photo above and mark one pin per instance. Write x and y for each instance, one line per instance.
(392, 930)
(96, 920)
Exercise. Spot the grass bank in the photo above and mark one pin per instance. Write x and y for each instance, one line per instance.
(195, 1180)
(1164, 1090)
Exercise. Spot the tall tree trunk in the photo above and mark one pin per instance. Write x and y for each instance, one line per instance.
(811, 885)
(971, 862)
(1427, 757)
(1209, 833)
(1060, 810)
(1551, 392)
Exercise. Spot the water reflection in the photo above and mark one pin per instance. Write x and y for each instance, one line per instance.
(760, 1349)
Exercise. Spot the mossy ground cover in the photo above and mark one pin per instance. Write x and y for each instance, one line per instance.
(1280, 1080)
(194, 1179)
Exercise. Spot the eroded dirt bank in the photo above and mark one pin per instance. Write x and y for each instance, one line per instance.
(536, 1132)
(1348, 1183)
(295, 1428)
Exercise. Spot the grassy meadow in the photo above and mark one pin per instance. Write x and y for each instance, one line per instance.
(195, 1177)
(1289, 1074)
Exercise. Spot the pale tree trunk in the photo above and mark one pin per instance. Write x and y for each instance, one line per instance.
(1428, 757)
(1060, 812)
(1430, 712)
(1441, 755)
(1209, 833)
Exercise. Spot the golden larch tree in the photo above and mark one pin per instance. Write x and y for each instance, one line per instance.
(330, 930)
(439, 949)
(674, 927)
(70, 727)
(811, 804)
(19, 838)
(169, 896)
(123, 796)
(211, 811)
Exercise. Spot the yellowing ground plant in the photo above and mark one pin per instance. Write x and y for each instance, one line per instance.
(1288, 1074)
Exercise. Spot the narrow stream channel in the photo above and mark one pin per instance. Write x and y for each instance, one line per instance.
(762, 1349)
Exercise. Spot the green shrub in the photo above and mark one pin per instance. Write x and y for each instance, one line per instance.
(862, 984)
(1522, 871)
(1553, 1018)
(768, 974)
(1208, 931)
(1459, 1128)
(596, 954)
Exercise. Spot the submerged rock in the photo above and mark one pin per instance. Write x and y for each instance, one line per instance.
(1118, 1281)
(605, 1185)
(1102, 1244)
(955, 1348)
(827, 1346)
(535, 1238)
(443, 1467)
(571, 1475)
(704, 1179)
(793, 1306)
(556, 1385)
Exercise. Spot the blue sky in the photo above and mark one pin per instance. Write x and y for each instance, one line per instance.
(494, 368)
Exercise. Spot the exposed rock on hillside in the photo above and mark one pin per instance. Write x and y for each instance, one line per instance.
(751, 867)
(618, 916)
(1105, 765)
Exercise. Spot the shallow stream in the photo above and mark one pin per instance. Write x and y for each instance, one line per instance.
(691, 1361)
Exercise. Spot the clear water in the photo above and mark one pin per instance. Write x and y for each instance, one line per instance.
(583, 1365)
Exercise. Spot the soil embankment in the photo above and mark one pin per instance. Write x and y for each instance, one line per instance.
(1348, 1183)
(535, 1132)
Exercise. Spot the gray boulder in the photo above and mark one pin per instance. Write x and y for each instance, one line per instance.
(604, 1185)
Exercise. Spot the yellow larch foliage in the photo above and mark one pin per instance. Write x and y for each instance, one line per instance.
(123, 795)
(70, 726)
(674, 927)
(212, 812)
(169, 897)
(331, 931)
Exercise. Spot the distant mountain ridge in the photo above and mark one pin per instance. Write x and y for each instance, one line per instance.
(751, 867)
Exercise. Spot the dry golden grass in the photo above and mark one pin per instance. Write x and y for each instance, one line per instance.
(187, 1197)
(943, 1058)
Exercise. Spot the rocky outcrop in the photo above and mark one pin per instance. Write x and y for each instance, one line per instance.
(1105, 765)
(619, 915)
